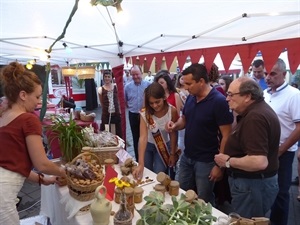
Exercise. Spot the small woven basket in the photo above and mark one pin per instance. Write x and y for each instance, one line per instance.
(104, 153)
(87, 118)
(84, 192)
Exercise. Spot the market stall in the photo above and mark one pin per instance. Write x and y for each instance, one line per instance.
(58, 212)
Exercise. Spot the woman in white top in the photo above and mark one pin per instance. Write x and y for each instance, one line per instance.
(152, 151)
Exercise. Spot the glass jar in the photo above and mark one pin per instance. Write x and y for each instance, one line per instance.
(163, 178)
(160, 188)
(174, 188)
(138, 194)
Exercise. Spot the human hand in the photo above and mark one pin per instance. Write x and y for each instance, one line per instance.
(170, 126)
(221, 159)
(216, 174)
(172, 161)
(137, 173)
(47, 180)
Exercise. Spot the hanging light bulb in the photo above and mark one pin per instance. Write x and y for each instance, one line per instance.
(29, 66)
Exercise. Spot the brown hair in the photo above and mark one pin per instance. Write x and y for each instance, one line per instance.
(15, 78)
(156, 91)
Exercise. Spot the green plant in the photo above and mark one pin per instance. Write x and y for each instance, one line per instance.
(78, 82)
(181, 212)
(70, 137)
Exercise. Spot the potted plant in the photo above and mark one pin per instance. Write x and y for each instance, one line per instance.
(69, 135)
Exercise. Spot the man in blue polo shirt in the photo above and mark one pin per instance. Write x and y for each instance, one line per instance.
(207, 121)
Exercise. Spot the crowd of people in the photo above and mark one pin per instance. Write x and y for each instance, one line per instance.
(203, 130)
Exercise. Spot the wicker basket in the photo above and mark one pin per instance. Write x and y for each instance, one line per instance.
(84, 192)
(104, 153)
(87, 118)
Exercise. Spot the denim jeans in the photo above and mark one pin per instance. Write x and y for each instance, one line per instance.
(153, 160)
(280, 208)
(253, 197)
(194, 175)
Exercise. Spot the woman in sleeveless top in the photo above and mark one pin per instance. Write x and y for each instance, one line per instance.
(154, 116)
(108, 95)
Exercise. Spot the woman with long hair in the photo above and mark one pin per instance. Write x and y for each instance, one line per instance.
(155, 143)
(20, 137)
(163, 78)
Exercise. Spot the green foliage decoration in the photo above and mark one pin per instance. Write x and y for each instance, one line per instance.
(181, 212)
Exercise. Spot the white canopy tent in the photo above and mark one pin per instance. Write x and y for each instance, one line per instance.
(95, 34)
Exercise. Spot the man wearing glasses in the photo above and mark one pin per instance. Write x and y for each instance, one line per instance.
(251, 151)
(258, 70)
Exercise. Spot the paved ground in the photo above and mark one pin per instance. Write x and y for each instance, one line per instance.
(31, 195)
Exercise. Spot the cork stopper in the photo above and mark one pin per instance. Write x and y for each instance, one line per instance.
(161, 176)
(174, 183)
(190, 195)
(128, 190)
(160, 187)
(109, 161)
(138, 190)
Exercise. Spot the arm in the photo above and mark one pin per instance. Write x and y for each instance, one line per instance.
(179, 104)
(40, 179)
(225, 131)
(250, 163)
(178, 125)
(173, 139)
(291, 140)
(217, 173)
(143, 139)
(100, 96)
(39, 159)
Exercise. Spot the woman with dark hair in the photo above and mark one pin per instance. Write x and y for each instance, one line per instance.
(108, 96)
(224, 82)
(213, 77)
(20, 137)
(156, 145)
(163, 78)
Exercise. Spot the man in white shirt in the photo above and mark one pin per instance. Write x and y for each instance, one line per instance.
(285, 101)
(149, 77)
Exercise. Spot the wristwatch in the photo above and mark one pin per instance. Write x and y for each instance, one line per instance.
(227, 163)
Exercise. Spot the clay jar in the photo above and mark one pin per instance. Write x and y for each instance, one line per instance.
(100, 207)
(163, 178)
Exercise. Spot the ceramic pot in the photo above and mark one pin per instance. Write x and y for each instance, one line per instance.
(100, 207)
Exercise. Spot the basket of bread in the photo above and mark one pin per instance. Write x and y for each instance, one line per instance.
(84, 175)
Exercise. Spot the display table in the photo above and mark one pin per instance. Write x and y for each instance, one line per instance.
(52, 208)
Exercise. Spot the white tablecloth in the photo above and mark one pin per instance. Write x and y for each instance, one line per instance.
(52, 208)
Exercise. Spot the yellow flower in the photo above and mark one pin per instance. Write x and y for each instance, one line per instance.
(119, 183)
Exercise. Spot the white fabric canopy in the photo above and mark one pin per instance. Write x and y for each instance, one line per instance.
(29, 27)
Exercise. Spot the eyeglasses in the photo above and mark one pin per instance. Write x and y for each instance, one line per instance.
(229, 94)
